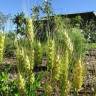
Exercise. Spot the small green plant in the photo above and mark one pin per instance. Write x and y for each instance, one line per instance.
(7, 87)
(3, 83)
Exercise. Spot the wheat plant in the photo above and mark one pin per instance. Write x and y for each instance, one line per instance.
(2, 42)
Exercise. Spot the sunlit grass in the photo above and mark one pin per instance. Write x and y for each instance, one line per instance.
(90, 46)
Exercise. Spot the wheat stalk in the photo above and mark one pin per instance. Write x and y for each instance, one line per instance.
(2, 41)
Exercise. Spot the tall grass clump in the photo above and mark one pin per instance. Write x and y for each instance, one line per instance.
(70, 43)
(30, 36)
(58, 51)
(53, 67)
(25, 60)
(78, 55)
(64, 47)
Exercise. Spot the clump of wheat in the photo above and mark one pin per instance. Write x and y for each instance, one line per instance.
(50, 53)
(64, 74)
(21, 82)
(77, 57)
(48, 89)
(27, 62)
(30, 38)
(2, 39)
(68, 41)
(78, 75)
(65, 46)
(29, 30)
(21, 85)
(50, 58)
(25, 58)
(56, 71)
